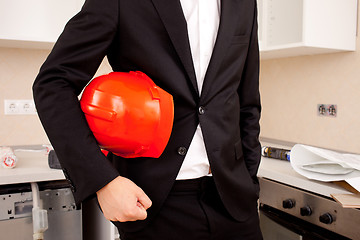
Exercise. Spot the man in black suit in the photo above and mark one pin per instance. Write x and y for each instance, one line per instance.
(205, 54)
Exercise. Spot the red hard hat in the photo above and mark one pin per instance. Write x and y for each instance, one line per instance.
(128, 114)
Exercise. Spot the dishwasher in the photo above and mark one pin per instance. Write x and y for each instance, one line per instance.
(16, 203)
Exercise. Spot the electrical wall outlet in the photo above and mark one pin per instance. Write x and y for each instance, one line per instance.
(327, 110)
(332, 110)
(19, 107)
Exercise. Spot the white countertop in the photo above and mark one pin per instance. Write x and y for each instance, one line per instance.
(33, 167)
(282, 171)
(30, 167)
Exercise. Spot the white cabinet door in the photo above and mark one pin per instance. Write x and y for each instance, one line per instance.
(301, 27)
(34, 23)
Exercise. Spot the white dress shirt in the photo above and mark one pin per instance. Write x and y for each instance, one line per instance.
(202, 17)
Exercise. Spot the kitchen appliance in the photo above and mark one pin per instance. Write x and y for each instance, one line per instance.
(289, 213)
(16, 202)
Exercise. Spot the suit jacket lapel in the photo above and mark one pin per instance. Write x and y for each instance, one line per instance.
(229, 17)
(174, 21)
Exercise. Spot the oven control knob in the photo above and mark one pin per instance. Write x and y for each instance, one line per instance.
(305, 211)
(288, 203)
(326, 218)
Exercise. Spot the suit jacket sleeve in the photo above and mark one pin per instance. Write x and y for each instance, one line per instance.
(250, 105)
(69, 67)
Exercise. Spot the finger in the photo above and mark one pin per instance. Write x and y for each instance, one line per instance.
(142, 213)
(137, 212)
(144, 200)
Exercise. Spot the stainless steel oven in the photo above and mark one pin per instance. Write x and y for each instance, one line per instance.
(289, 213)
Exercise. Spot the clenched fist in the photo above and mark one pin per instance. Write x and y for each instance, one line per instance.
(122, 200)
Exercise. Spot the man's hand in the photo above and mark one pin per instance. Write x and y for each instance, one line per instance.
(122, 200)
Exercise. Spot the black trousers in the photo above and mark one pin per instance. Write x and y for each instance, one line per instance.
(194, 211)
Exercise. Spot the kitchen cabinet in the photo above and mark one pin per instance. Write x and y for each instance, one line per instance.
(34, 23)
(302, 27)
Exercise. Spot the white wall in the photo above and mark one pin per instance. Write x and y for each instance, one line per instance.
(291, 88)
(18, 69)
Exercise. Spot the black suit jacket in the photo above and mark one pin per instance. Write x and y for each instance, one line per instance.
(151, 36)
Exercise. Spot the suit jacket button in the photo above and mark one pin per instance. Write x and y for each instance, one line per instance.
(201, 110)
(182, 151)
